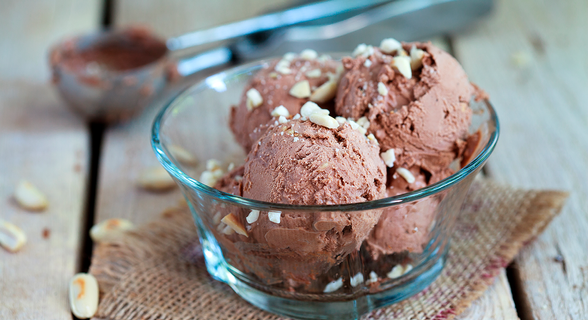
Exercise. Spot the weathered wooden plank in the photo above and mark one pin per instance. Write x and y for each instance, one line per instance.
(530, 57)
(174, 17)
(495, 304)
(29, 27)
(126, 151)
(44, 143)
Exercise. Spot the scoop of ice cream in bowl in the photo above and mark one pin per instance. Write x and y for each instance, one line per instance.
(328, 187)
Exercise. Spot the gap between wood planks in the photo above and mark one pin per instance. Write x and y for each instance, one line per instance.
(522, 308)
(96, 131)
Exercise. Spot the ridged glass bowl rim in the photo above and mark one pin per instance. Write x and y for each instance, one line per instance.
(181, 176)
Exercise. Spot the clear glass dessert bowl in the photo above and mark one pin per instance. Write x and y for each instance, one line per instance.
(316, 273)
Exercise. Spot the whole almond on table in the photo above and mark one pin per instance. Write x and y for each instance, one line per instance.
(182, 155)
(110, 229)
(29, 197)
(83, 295)
(155, 179)
(12, 238)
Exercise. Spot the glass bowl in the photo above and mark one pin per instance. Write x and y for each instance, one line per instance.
(341, 281)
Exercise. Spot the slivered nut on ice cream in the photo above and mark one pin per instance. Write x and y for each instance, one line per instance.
(213, 164)
(390, 45)
(228, 230)
(373, 278)
(300, 89)
(398, 271)
(333, 285)
(340, 119)
(308, 54)
(254, 98)
(382, 90)
(289, 56)
(324, 120)
(253, 216)
(356, 279)
(182, 155)
(29, 197)
(360, 49)
(282, 119)
(325, 92)
(274, 216)
(363, 122)
(213, 172)
(283, 70)
(280, 111)
(372, 138)
(367, 63)
(83, 295)
(283, 63)
(388, 158)
(310, 108)
(416, 58)
(407, 175)
(12, 238)
(110, 229)
(355, 126)
(402, 64)
(314, 73)
(231, 221)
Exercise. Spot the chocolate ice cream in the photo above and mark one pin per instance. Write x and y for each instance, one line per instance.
(289, 82)
(392, 121)
(422, 114)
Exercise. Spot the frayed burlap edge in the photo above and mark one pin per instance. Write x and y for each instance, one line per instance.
(545, 206)
(114, 263)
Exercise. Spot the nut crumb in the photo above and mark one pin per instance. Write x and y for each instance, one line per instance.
(29, 197)
(274, 216)
(388, 158)
(390, 45)
(254, 99)
(324, 120)
(253, 216)
(301, 89)
(402, 64)
(382, 90)
(407, 175)
(333, 286)
(231, 221)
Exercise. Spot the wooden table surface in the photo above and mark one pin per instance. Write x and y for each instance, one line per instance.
(529, 55)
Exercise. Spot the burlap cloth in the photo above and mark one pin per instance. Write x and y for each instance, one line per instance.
(158, 272)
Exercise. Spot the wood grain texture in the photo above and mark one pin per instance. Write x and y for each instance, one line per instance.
(29, 27)
(530, 57)
(495, 304)
(41, 141)
(174, 17)
(126, 151)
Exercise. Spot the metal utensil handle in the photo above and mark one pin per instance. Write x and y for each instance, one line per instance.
(268, 22)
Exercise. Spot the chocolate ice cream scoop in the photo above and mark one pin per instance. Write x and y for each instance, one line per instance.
(289, 82)
(303, 163)
(416, 98)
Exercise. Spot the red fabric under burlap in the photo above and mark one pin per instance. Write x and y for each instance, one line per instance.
(158, 271)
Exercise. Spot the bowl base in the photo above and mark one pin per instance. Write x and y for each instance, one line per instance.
(300, 309)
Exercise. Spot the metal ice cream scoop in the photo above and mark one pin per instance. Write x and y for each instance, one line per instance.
(115, 92)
